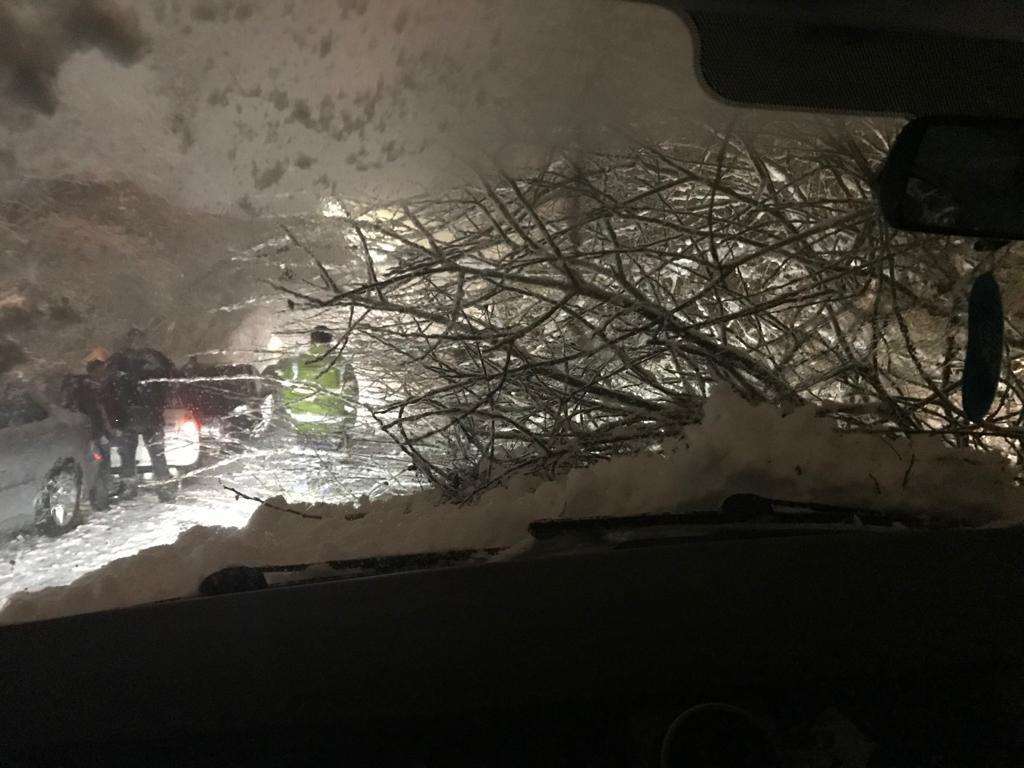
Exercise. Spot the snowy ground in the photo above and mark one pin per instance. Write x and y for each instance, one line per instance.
(739, 447)
(371, 467)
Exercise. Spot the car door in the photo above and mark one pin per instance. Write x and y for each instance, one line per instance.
(23, 454)
(34, 435)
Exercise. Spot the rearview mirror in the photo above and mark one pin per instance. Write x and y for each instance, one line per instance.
(956, 176)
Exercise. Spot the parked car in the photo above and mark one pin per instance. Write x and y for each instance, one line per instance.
(181, 443)
(48, 467)
(230, 402)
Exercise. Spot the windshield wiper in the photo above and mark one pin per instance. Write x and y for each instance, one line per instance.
(244, 578)
(741, 515)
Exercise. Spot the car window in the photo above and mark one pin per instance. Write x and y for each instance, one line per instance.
(338, 280)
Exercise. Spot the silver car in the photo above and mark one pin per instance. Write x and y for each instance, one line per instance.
(47, 465)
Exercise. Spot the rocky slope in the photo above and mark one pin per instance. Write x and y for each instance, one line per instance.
(81, 263)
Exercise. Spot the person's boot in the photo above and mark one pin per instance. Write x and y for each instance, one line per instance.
(167, 490)
(130, 488)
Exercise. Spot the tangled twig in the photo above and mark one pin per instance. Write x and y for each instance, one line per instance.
(538, 323)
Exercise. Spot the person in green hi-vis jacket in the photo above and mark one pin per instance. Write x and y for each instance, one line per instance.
(319, 393)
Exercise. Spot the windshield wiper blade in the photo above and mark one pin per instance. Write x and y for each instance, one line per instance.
(736, 510)
(741, 516)
(244, 578)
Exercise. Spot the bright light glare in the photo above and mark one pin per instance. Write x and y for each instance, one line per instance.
(331, 208)
(182, 445)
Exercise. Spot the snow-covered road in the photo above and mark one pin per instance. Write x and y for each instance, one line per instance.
(372, 467)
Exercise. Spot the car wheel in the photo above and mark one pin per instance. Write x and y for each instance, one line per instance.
(59, 507)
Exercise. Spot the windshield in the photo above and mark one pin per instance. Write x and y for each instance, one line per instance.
(316, 282)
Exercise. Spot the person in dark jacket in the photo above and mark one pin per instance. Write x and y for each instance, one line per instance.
(86, 393)
(135, 393)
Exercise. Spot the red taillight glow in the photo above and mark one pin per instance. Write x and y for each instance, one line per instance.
(97, 456)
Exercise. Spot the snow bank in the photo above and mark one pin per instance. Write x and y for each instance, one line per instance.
(737, 448)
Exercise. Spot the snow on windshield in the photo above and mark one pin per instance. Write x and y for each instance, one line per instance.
(268, 106)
